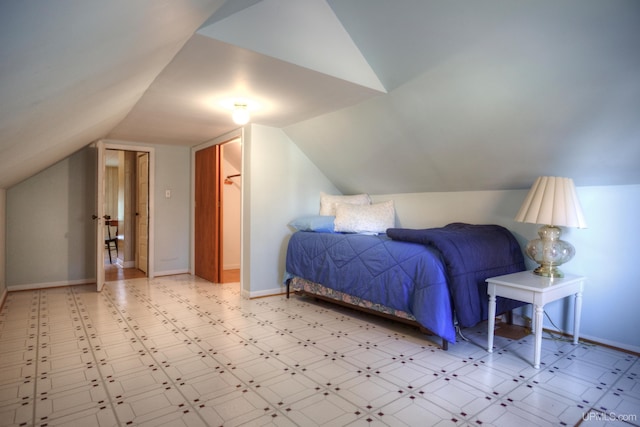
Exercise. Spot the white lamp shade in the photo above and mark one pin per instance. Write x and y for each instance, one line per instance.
(552, 201)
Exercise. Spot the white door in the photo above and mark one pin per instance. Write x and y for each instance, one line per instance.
(142, 212)
(98, 216)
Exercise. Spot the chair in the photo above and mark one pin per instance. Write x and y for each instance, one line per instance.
(111, 236)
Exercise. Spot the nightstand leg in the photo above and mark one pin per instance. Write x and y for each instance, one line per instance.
(539, 312)
(492, 317)
(576, 317)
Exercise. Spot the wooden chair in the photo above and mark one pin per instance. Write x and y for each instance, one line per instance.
(111, 236)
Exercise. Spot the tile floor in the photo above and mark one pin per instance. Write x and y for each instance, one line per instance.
(179, 351)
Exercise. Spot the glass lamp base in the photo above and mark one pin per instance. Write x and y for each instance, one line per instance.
(549, 251)
(548, 271)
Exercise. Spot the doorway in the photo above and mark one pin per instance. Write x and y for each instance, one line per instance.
(126, 213)
(217, 211)
(231, 207)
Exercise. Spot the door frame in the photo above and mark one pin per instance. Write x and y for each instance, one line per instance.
(99, 214)
(102, 146)
(230, 136)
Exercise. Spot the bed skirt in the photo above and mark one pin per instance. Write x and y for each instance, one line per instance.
(303, 286)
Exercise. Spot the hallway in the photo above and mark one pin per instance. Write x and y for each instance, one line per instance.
(113, 272)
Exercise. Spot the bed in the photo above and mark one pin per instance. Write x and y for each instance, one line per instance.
(434, 278)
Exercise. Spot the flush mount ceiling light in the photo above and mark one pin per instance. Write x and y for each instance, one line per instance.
(240, 113)
(240, 108)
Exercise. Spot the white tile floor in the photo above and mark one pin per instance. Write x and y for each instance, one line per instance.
(179, 351)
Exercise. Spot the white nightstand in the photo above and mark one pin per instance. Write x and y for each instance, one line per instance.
(537, 290)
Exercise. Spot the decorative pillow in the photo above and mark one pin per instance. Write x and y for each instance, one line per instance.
(366, 219)
(319, 223)
(328, 202)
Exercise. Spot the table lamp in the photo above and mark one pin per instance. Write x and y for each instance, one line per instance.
(553, 202)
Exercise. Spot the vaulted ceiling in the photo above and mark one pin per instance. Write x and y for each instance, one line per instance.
(384, 96)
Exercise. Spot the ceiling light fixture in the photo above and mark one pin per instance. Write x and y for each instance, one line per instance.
(240, 114)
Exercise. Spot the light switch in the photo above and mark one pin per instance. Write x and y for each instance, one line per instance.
(167, 194)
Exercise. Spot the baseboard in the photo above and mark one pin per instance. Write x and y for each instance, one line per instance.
(521, 319)
(170, 272)
(614, 345)
(45, 285)
(266, 293)
(524, 321)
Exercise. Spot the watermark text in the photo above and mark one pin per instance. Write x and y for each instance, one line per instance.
(609, 416)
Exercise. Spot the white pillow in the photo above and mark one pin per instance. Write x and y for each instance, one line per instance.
(365, 219)
(328, 202)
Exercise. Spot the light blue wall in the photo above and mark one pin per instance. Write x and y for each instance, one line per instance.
(280, 183)
(606, 252)
(172, 215)
(50, 234)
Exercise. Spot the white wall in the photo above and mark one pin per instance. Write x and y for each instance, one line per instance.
(280, 183)
(606, 252)
(231, 208)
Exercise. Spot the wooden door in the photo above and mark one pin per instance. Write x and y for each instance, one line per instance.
(207, 237)
(142, 213)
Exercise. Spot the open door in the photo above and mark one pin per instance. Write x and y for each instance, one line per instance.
(142, 212)
(217, 164)
(98, 216)
(207, 214)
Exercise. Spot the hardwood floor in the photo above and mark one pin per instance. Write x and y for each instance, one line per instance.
(113, 272)
(229, 276)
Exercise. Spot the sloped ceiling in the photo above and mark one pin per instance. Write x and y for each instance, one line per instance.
(385, 97)
(486, 95)
(70, 71)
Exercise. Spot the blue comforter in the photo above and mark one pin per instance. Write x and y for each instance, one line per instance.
(429, 273)
(472, 254)
(402, 275)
